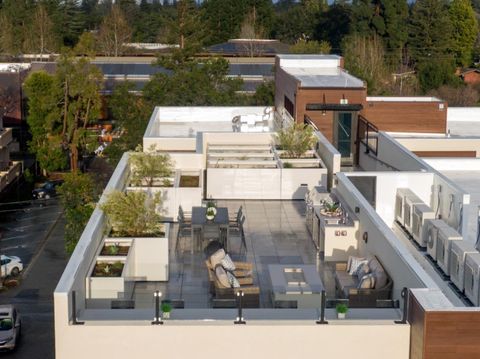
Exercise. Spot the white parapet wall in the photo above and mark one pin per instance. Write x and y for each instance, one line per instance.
(266, 339)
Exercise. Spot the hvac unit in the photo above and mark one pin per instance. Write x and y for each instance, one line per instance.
(472, 274)
(445, 237)
(458, 252)
(402, 193)
(431, 235)
(408, 203)
(421, 212)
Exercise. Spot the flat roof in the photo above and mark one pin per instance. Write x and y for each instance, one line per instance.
(327, 77)
(403, 99)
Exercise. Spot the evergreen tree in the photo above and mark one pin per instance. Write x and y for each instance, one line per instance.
(465, 30)
(430, 31)
(395, 15)
(71, 21)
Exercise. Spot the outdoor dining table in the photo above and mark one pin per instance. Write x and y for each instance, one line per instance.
(202, 228)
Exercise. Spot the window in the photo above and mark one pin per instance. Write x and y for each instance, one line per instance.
(5, 261)
(289, 106)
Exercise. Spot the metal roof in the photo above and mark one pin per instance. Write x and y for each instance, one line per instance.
(324, 77)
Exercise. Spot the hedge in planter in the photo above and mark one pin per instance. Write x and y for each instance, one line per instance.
(133, 214)
(296, 140)
(147, 167)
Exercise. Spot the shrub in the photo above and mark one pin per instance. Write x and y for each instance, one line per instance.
(296, 139)
(146, 167)
(133, 214)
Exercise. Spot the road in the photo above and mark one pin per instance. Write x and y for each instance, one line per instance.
(35, 234)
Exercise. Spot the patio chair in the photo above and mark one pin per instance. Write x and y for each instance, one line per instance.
(241, 233)
(251, 298)
(233, 220)
(186, 217)
(184, 229)
(234, 215)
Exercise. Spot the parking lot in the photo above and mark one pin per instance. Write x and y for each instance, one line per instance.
(34, 232)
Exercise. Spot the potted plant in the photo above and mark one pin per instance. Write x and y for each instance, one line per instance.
(330, 208)
(342, 310)
(211, 212)
(166, 310)
(150, 169)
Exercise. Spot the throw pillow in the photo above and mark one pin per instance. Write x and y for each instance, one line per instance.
(234, 283)
(216, 258)
(222, 276)
(362, 270)
(367, 282)
(355, 263)
(227, 263)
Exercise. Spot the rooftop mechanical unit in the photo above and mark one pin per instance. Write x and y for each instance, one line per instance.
(408, 203)
(403, 196)
(472, 277)
(431, 235)
(458, 253)
(421, 212)
(445, 237)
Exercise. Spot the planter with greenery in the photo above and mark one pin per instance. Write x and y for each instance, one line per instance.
(342, 310)
(295, 147)
(108, 269)
(135, 215)
(151, 169)
(166, 310)
(330, 208)
(112, 247)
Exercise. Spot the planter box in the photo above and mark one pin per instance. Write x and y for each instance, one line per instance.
(124, 247)
(107, 287)
(311, 160)
(175, 196)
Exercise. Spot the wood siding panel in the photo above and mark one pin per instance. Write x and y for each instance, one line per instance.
(446, 153)
(332, 96)
(422, 117)
(450, 335)
(416, 318)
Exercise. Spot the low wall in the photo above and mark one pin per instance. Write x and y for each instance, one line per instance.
(287, 339)
(258, 183)
(330, 157)
(442, 144)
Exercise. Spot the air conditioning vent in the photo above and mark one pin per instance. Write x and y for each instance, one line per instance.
(472, 269)
(458, 253)
(446, 236)
(421, 213)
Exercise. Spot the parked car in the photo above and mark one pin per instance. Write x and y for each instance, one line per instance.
(48, 190)
(11, 265)
(10, 326)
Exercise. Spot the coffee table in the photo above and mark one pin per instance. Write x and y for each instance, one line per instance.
(296, 282)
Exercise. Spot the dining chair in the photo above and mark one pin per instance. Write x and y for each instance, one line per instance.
(233, 217)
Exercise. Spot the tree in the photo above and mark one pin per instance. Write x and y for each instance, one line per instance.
(70, 21)
(430, 31)
(86, 45)
(462, 96)
(303, 46)
(264, 94)
(223, 18)
(41, 37)
(131, 114)
(365, 58)
(148, 167)
(333, 25)
(78, 195)
(296, 140)
(465, 30)
(7, 36)
(433, 74)
(133, 213)
(114, 32)
(60, 108)
(192, 82)
(43, 92)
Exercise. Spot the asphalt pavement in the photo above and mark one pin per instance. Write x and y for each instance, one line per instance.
(36, 234)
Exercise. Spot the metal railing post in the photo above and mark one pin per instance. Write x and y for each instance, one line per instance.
(405, 307)
(157, 320)
(322, 309)
(74, 309)
(240, 319)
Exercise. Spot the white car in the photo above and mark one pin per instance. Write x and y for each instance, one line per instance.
(11, 265)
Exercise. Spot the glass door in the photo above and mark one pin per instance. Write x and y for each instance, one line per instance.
(343, 135)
